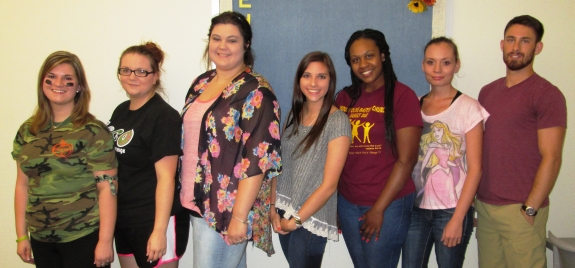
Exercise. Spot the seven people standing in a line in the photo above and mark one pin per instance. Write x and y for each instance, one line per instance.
(396, 176)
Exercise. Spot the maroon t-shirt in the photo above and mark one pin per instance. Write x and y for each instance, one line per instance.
(370, 160)
(510, 150)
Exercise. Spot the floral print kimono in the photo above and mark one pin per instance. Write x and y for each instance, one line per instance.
(239, 138)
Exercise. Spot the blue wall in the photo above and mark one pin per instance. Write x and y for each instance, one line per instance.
(284, 31)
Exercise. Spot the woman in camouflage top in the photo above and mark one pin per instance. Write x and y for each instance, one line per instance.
(66, 170)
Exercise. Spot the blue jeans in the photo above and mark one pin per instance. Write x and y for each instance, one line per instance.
(210, 249)
(426, 230)
(384, 252)
(302, 248)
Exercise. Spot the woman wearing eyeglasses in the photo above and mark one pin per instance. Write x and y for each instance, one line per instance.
(146, 131)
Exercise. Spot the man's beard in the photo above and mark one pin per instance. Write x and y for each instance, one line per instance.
(515, 65)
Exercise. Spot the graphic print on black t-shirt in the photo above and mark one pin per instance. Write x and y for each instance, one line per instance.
(141, 138)
(121, 138)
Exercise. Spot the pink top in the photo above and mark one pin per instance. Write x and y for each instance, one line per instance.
(192, 124)
(441, 171)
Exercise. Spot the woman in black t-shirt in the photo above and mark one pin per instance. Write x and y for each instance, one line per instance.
(146, 132)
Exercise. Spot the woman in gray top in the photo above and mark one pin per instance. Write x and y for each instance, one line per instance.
(315, 143)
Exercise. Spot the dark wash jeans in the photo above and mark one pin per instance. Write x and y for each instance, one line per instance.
(303, 248)
(426, 230)
(384, 252)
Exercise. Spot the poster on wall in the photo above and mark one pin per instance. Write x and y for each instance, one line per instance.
(284, 31)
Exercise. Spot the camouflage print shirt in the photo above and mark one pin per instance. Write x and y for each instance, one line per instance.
(62, 196)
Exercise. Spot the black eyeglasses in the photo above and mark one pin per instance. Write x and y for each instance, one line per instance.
(138, 72)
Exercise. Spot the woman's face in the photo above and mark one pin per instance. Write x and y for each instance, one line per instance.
(137, 86)
(226, 47)
(438, 133)
(314, 82)
(367, 62)
(439, 64)
(60, 85)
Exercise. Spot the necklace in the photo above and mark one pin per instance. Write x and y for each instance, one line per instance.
(55, 127)
(304, 130)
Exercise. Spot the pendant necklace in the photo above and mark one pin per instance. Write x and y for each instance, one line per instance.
(55, 127)
(304, 130)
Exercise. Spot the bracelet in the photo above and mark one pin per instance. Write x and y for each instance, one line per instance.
(22, 239)
(109, 179)
(296, 219)
(273, 204)
(244, 222)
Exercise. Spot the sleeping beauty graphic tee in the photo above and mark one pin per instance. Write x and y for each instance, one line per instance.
(441, 168)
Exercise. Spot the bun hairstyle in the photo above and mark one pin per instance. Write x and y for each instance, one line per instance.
(354, 90)
(240, 21)
(446, 40)
(155, 55)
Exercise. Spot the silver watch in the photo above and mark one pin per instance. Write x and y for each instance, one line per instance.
(529, 211)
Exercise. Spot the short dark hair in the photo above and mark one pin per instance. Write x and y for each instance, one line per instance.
(530, 22)
(240, 21)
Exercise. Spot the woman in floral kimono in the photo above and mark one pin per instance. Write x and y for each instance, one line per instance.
(231, 144)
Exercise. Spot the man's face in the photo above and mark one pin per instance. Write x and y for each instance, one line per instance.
(519, 47)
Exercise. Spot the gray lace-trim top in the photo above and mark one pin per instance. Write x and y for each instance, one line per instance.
(303, 174)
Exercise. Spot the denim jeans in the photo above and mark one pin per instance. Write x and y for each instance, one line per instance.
(210, 249)
(384, 252)
(426, 230)
(303, 248)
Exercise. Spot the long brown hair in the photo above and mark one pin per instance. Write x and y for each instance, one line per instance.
(80, 114)
(295, 115)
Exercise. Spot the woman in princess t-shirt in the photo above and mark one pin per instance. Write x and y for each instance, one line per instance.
(449, 167)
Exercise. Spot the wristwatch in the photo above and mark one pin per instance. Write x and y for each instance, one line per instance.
(297, 220)
(529, 211)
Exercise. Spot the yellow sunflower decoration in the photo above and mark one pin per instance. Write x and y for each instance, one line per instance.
(416, 6)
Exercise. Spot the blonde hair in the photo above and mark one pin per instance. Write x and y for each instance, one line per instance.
(453, 140)
(43, 113)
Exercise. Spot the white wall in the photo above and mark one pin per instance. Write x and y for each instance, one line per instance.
(477, 29)
(98, 32)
